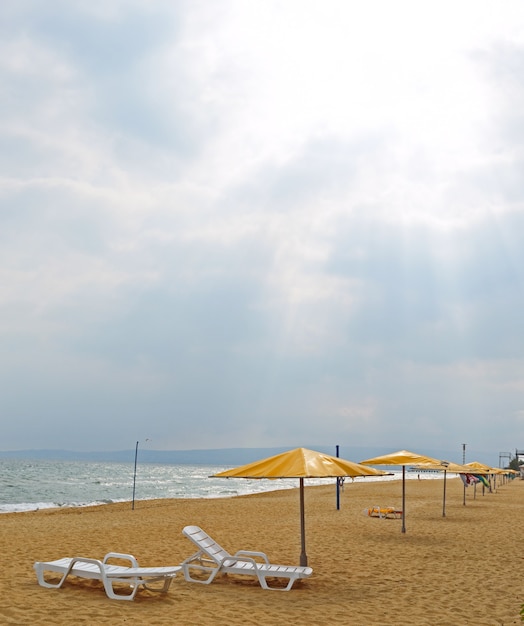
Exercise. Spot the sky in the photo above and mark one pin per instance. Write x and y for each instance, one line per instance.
(260, 223)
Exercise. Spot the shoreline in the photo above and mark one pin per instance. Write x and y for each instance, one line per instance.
(205, 489)
(456, 570)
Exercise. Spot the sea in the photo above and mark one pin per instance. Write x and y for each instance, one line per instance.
(28, 485)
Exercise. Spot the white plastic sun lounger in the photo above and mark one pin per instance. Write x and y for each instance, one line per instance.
(211, 559)
(83, 567)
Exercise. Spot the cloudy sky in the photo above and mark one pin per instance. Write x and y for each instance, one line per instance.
(255, 223)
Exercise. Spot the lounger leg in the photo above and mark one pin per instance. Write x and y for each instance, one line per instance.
(108, 586)
(264, 585)
(213, 571)
(40, 573)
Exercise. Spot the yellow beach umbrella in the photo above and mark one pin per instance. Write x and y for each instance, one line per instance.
(300, 463)
(476, 467)
(401, 457)
(447, 466)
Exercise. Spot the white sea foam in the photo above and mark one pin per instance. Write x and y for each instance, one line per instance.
(31, 485)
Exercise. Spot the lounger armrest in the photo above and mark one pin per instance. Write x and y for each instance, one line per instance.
(241, 556)
(118, 555)
(250, 553)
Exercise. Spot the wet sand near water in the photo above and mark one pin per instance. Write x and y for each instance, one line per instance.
(461, 569)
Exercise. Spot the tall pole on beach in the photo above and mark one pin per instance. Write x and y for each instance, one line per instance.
(444, 498)
(134, 473)
(338, 483)
(464, 463)
(134, 477)
(403, 529)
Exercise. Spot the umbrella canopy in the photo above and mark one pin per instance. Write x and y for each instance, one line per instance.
(300, 463)
(402, 457)
(476, 465)
(454, 468)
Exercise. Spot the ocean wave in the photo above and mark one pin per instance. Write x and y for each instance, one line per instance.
(58, 484)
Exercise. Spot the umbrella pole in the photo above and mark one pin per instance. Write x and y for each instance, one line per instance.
(303, 555)
(444, 499)
(403, 498)
(338, 485)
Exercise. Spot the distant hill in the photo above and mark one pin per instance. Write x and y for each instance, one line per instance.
(227, 456)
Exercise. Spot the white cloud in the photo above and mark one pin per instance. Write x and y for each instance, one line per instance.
(270, 218)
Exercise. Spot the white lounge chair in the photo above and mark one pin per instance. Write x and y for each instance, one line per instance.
(211, 559)
(83, 567)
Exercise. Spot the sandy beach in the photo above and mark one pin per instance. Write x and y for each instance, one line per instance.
(461, 569)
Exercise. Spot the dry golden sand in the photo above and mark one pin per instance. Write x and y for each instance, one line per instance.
(464, 568)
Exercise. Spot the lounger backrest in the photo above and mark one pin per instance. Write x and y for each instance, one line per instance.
(204, 542)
